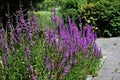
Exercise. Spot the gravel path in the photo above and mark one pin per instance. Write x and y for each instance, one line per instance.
(111, 56)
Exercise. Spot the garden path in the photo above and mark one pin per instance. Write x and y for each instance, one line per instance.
(110, 48)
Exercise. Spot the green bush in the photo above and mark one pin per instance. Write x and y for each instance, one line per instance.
(88, 14)
(104, 15)
(70, 8)
(108, 15)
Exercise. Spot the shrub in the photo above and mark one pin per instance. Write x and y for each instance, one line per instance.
(70, 7)
(108, 13)
(102, 12)
(95, 12)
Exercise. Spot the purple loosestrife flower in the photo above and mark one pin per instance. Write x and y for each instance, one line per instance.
(30, 30)
(70, 50)
(51, 69)
(34, 78)
(30, 35)
(76, 34)
(86, 54)
(4, 61)
(2, 34)
(67, 54)
(12, 40)
(31, 69)
(48, 66)
(84, 44)
(2, 42)
(75, 61)
(90, 35)
(63, 62)
(9, 24)
(96, 50)
(18, 34)
(5, 47)
(46, 58)
(61, 27)
(69, 21)
(27, 52)
(52, 65)
(50, 37)
(67, 68)
(21, 15)
(55, 18)
(70, 62)
(80, 20)
(35, 25)
(47, 63)
(59, 44)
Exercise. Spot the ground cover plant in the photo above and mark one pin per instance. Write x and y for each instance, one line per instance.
(62, 52)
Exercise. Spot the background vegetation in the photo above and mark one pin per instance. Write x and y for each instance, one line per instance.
(104, 15)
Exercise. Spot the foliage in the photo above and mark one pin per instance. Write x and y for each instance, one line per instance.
(102, 12)
(108, 13)
(70, 8)
(44, 18)
(95, 12)
(47, 5)
(89, 15)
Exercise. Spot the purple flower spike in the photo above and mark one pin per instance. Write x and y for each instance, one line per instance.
(12, 40)
(66, 70)
(87, 55)
(9, 24)
(31, 69)
(52, 65)
(55, 18)
(46, 58)
(48, 67)
(34, 78)
(96, 50)
(4, 61)
(5, 47)
(63, 62)
(28, 52)
(75, 61)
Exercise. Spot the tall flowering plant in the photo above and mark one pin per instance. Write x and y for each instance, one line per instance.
(63, 53)
(64, 46)
(15, 48)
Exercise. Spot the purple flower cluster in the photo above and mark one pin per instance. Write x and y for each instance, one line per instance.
(50, 37)
(4, 46)
(55, 18)
(27, 52)
(69, 40)
(23, 30)
(32, 72)
(4, 61)
(26, 27)
(30, 66)
(2, 41)
(11, 32)
(50, 65)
